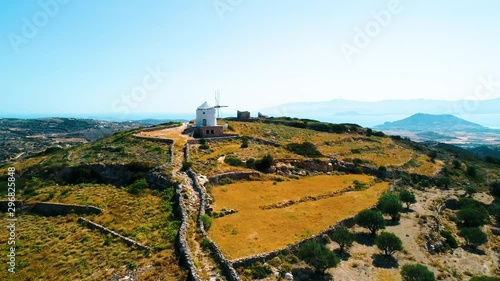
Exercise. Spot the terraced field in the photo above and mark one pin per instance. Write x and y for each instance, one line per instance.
(211, 161)
(58, 248)
(254, 229)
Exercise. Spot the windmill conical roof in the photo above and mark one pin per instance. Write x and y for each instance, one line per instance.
(205, 105)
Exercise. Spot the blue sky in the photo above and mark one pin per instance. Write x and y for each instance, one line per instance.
(131, 57)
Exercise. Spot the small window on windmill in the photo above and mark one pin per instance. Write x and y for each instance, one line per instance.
(212, 132)
(203, 112)
(208, 132)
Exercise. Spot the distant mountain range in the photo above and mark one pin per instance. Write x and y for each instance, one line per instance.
(432, 123)
(485, 112)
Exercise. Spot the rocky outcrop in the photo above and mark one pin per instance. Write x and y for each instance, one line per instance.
(214, 180)
(289, 167)
(106, 231)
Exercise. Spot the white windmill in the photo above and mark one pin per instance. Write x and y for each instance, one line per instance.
(217, 103)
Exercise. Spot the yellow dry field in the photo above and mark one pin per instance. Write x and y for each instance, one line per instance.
(253, 230)
(380, 151)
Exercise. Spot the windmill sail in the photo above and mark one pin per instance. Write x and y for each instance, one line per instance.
(217, 103)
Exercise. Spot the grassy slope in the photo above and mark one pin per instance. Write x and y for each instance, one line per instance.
(347, 146)
(120, 148)
(77, 253)
(58, 248)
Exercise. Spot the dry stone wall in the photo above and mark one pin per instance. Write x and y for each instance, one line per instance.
(182, 246)
(104, 230)
(52, 209)
(226, 265)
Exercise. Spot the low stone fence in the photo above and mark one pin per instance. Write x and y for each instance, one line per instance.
(201, 194)
(52, 209)
(226, 265)
(162, 140)
(105, 231)
(162, 127)
(215, 139)
(185, 253)
(186, 152)
(246, 261)
(214, 180)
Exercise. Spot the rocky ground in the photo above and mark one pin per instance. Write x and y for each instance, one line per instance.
(461, 263)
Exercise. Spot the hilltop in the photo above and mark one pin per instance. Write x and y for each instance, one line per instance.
(431, 122)
(443, 128)
(206, 207)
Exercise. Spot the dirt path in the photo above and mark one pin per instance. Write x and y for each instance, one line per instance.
(206, 267)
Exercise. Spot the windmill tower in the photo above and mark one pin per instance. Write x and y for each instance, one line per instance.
(217, 103)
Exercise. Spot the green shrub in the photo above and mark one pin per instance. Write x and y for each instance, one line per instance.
(232, 160)
(474, 236)
(373, 220)
(389, 203)
(416, 272)
(204, 144)
(495, 189)
(318, 256)
(244, 142)
(108, 241)
(137, 187)
(306, 149)
(382, 172)
(470, 217)
(186, 165)
(457, 164)
(285, 267)
(359, 185)
(343, 237)
(250, 163)
(407, 197)
(207, 221)
(471, 171)
(484, 278)
(389, 243)
(450, 239)
(265, 163)
(131, 265)
(205, 243)
(259, 270)
(276, 262)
